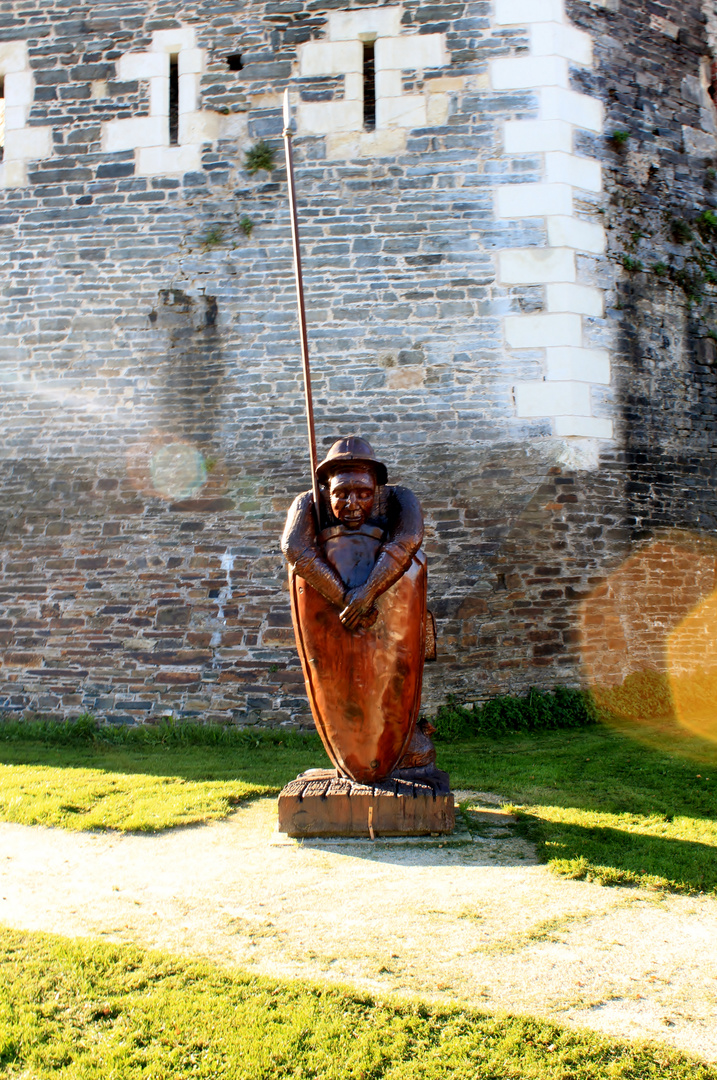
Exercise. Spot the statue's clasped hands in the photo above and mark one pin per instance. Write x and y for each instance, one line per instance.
(359, 610)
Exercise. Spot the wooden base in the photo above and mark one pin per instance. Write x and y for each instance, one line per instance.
(320, 803)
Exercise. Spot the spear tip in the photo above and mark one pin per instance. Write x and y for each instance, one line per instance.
(287, 113)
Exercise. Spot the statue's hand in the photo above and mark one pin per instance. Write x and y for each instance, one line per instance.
(359, 609)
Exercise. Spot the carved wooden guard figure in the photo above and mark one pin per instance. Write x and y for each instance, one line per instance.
(358, 595)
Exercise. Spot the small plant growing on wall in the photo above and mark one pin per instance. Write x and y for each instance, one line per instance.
(246, 224)
(213, 236)
(618, 139)
(680, 231)
(260, 156)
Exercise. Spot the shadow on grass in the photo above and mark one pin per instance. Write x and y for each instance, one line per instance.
(596, 769)
(616, 857)
(263, 764)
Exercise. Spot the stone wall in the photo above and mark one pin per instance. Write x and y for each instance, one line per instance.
(475, 303)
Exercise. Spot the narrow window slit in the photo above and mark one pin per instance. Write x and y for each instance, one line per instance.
(369, 86)
(173, 100)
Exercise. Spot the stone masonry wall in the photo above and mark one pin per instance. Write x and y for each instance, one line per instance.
(463, 315)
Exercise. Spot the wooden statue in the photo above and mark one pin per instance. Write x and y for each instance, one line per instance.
(358, 599)
(358, 596)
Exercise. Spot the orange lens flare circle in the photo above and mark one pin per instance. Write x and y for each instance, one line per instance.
(692, 669)
(649, 638)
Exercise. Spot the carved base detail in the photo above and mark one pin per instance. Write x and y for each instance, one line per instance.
(321, 803)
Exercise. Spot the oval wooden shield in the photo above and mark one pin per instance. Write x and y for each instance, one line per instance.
(364, 685)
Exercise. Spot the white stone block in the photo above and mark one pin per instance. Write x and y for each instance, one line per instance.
(354, 144)
(588, 427)
(173, 41)
(28, 144)
(536, 136)
(382, 143)
(665, 26)
(199, 127)
(15, 117)
(388, 84)
(580, 365)
(581, 172)
(582, 299)
(699, 143)
(556, 103)
(575, 233)
(322, 117)
(343, 145)
(13, 57)
(353, 86)
(558, 39)
(534, 266)
(365, 25)
(411, 51)
(191, 62)
(535, 398)
(534, 200)
(541, 330)
(159, 97)
(133, 133)
(330, 57)
(160, 160)
(19, 88)
(13, 174)
(451, 84)
(513, 12)
(407, 111)
(437, 109)
(142, 65)
(528, 72)
(188, 92)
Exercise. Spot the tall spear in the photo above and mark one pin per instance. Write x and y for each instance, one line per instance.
(302, 308)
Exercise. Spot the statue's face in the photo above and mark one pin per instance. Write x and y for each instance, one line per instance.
(352, 492)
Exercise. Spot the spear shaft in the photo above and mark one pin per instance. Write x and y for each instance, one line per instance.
(302, 308)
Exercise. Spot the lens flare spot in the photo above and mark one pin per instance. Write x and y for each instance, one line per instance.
(649, 637)
(692, 669)
(177, 470)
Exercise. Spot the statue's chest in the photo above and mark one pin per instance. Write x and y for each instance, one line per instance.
(352, 552)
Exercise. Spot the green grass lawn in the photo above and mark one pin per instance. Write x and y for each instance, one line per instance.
(601, 805)
(598, 803)
(84, 1009)
(141, 788)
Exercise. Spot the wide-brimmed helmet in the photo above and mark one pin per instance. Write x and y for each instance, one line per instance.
(352, 450)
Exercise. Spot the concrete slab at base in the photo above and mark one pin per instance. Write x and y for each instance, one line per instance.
(322, 804)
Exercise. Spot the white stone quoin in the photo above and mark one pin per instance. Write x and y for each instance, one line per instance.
(571, 367)
(23, 143)
(341, 54)
(148, 136)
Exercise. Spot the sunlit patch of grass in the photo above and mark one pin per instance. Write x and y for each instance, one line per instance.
(87, 1010)
(94, 799)
(602, 806)
(136, 788)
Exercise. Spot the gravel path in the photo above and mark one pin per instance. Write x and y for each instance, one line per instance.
(473, 921)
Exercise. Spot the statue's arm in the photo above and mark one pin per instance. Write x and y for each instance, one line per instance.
(405, 533)
(301, 549)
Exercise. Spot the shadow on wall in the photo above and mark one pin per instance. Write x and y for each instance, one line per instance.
(191, 375)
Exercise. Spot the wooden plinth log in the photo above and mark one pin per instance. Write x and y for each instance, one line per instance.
(320, 803)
